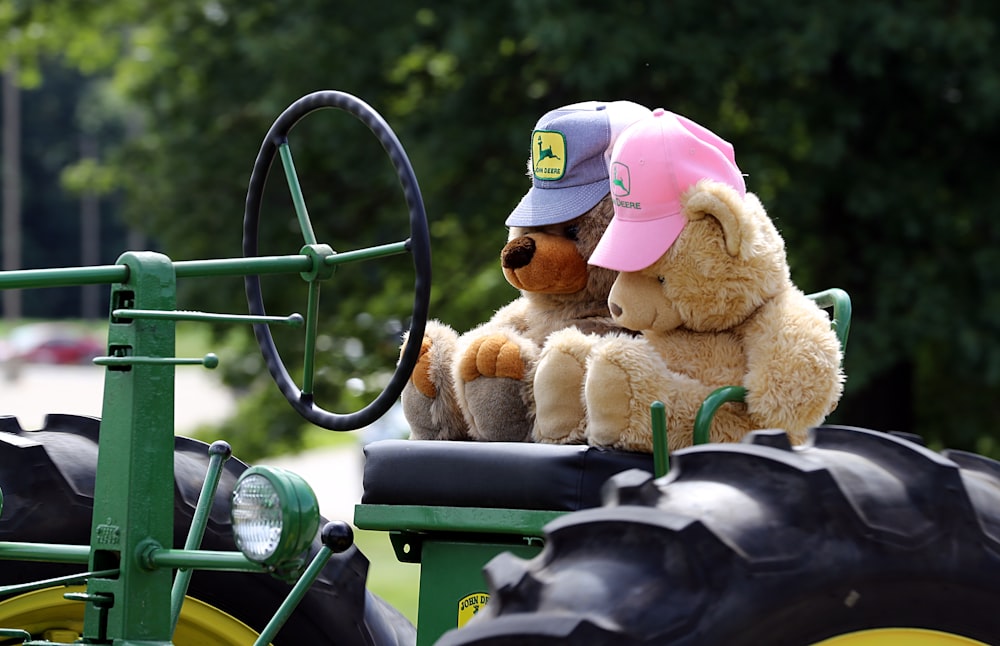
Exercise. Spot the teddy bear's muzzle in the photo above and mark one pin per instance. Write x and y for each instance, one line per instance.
(544, 264)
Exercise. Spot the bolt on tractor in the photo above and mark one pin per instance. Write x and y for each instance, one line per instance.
(117, 531)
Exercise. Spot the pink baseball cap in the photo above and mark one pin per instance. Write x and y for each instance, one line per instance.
(653, 162)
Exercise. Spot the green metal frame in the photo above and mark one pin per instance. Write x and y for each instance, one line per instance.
(132, 596)
(452, 544)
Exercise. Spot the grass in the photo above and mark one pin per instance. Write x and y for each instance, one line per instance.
(397, 583)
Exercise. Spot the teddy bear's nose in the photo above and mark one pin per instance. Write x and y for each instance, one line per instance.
(616, 310)
(517, 253)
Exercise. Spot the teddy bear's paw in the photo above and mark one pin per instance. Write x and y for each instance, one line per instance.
(421, 376)
(491, 378)
(493, 355)
(619, 390)
(433, 368)
(497, 410)
(608, 402)
(433, 418)
(428, 398)
(560, 413)
(417, 411)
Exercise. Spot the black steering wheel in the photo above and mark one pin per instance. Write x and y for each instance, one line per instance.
(418, 245)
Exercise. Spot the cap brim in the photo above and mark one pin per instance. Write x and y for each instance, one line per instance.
(633, 245)
(541, 207)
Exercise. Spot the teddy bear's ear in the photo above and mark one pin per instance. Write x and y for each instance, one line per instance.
(708, 198)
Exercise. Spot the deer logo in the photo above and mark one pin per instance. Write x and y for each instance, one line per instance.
(621, 181)
(548, 154)
(545, 153)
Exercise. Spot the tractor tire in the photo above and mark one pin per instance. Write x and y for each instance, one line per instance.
(856, 537)
(47, 479)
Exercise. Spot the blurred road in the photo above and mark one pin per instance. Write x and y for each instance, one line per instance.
(43, 388)
(334, 474)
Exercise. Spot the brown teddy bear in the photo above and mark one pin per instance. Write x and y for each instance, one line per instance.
(479, 385)
(705, 279)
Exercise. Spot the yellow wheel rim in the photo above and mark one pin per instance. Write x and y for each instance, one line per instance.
(902, 636)
(47, 615)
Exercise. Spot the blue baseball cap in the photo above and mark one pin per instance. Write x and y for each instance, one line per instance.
(570, 155)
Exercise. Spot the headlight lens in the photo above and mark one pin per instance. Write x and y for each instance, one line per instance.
(257, 517)
(275, 515)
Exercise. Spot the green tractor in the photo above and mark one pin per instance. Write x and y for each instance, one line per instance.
(116, 531)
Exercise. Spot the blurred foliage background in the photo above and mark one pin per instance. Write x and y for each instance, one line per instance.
(869, 130)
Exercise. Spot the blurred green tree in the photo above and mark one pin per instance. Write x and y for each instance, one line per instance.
(868, 130)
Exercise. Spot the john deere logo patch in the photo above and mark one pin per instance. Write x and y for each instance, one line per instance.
(469, 605)
(621, 183)
(548, 154)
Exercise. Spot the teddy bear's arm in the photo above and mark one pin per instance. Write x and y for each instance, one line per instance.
(600, 325)
(793, 379)
(513, 315)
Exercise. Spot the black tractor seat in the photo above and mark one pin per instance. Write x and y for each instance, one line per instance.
(498, 475)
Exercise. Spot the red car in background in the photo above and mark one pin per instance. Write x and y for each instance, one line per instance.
(51, 343)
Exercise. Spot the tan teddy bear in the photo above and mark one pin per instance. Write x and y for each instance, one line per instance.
(705, 279)
(479, 385)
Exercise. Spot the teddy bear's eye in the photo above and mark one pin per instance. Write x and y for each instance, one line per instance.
(572, 231)
(660, 279)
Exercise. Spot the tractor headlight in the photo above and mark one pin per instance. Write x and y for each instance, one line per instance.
(275, 515)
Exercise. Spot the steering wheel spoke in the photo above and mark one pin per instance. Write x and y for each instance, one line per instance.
(309, 352)
(324, 260)
(298, 199)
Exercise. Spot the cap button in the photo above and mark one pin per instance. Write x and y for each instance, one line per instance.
(659, 112)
